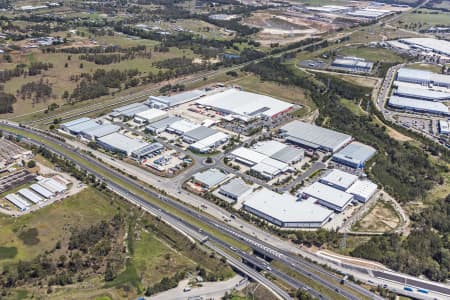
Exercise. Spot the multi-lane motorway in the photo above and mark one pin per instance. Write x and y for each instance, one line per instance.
(292, 261)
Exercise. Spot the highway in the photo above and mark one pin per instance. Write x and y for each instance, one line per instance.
(259, 246)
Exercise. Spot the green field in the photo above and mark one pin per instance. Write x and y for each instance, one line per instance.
(424, 18)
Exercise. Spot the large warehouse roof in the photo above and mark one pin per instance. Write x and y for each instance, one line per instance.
(75, 122)
(129, 110)
(182, 126)
(328, 194)
(419, 105)
(210, 142)
(173, 100)
(305, 133)
(210, 177)
(151, 114)
(436, 45)
(421, 93)
(340, 179)
(41, 190)
(101, 130)
(369, 13)
(355, 153)
(236, 186)
(286, 208)
(269, 147)
(363, 189)
(163, 124)
(121, 142)
(200, 133)
(288, 155)
(31, 196)
(422, 76)
(244, 104)
(248, 156)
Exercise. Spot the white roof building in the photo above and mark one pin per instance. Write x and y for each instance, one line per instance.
(244, 105)
(421, 106)
(52, 185)
(210, 178)
(209, 143)
(236, 189)
(362, 190)
(117, 142)
(444, 127)
(284, 210)
(430, 44)
(328, 196)
(339, 179)
(41, 190)
(247, 156)
(268, 168)
(17, 201)
(421, 93)
(173, 100)
(354, 155)
(150, 115)
(181, 127)
(29, 195)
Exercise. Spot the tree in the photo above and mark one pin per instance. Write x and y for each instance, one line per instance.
(31, 164)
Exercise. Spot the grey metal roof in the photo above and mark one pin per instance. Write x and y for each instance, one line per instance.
(178, 98)
(147, 149)
(29, 195)
(356, 153)
(328, 194)
(413, 74)
(236, 186)
(77, 128)
(127, 107)
(313, 134)
(200, 133)
(75, 122)
(122, 142)
(210, 177)
(418, 105)
(41, 190)
(421, 93)
(164, 123)
(102, 130)
(286, 208)
(288, 154)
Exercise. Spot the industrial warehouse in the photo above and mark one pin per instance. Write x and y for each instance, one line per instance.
(423, 77)
(354, 155)
(245, 106)
(162, 102)
(314, 137)
(420, 106)
(352, 64)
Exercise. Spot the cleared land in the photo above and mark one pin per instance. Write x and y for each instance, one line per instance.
(381, 218)
(424, 18)
(371, 54)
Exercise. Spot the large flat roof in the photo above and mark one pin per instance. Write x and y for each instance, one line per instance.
(151, 114)
(288, 154)
(164, 123)
(249, 105)
(200, 133)
(316, 135)
(286, 208)
(102, 130)
(440, 46)
(268, 147)
(183, 126)
(339, 178)
(249, 155)
(177, 98)
(419, 105)
(122, 142)
(355, 152)
(363, 188)
(210, 177)
(328, 194)
(209, 141)
(75, 122)
(91, 124)
(236, 186)
(421, 93)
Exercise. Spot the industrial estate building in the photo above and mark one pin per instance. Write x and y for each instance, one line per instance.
(423, 77)
(94, 133)
(119, 143)
(161, 125)
(284, 210)
(236, 189)
(43, 190)
(421, 93)
(370, 13)
(421, 106)
(352, 64)
(128, 111)
(444, 126)
(150, 115)
(354, 155)
(174, 100)
(210, 178)
(428, 45)
(314, 137)
(330, 197)
(362, 190)
(245, 106)
(339, 179)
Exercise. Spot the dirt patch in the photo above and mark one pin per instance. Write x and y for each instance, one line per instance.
(382, 218)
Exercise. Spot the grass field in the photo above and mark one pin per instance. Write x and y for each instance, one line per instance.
(53, 223)
(425, 18)
(428, 67)
(353, 107)
(59, 77)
